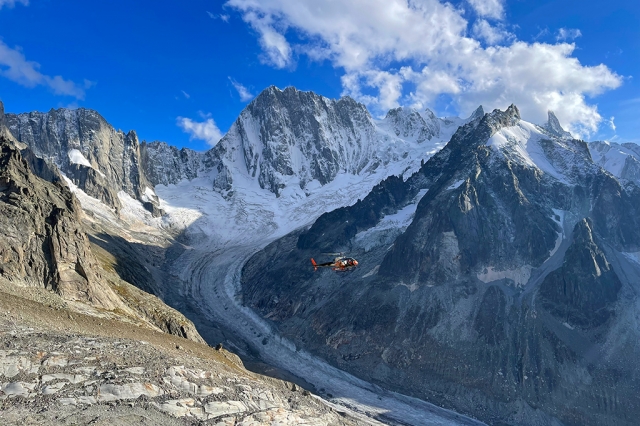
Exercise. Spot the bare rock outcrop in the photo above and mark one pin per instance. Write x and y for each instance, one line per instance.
(97, 158)
(42, 243)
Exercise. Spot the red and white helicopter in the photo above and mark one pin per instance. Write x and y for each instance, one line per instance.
(340, 263)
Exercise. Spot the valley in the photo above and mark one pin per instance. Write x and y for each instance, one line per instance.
(498, 259)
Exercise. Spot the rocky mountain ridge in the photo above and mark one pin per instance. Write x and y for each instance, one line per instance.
(283, 138)
(494, 280)
(89, 151)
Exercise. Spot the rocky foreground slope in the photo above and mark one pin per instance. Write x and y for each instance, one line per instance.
(80, 345)
(62, 368)
(501, 280)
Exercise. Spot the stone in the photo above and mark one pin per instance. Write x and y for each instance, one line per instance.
(216, 409)
(112, 392)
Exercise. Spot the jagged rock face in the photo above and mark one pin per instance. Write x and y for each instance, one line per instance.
(554, 127)
(584, 289)
(409, 123)
(293, 134)
(497, 293)
(165, 164)
(489, 207)
(42, 243)
(89, 151)
(4, 130)
(3, 124)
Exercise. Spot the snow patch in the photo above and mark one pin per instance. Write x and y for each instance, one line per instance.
(132, 207)
(519, 275)
(96, 207)
(372, 272)
(634, 256)
(389, 226)
(456, 184)
(610, 156)
(412, 287)
(76, 157)
(558, 218)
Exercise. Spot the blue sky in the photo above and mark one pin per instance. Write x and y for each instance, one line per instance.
(182, 71)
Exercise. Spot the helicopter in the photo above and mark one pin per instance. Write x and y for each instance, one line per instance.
(340, 263)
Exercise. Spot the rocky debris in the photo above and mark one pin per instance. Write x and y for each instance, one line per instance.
(156, 312)
(42, 243)
(506, 295)
(68, 378)
(133, 271)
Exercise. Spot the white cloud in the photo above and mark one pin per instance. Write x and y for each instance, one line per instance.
(222, 17)
(490, 34)
(570, 34)
(15, 67)
(204, 130)
(245, 94)
(185, 94)
(12, 3)
(542, 33)
(409, 52)
(488, 8)
(277, 51)
(612, 124)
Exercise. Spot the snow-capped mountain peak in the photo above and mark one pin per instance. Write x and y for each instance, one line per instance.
(524, 143)
(300, 140)
(409, 123)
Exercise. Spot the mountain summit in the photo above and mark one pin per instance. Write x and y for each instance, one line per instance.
(553, 126)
